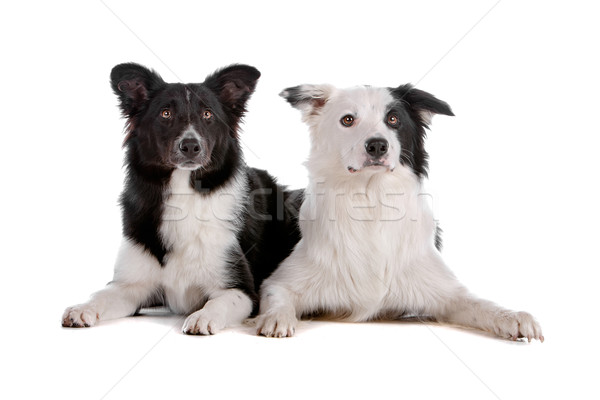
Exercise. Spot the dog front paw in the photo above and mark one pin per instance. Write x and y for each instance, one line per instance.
(80, 316)
(514, 325)
(276, 325)
(203, 322)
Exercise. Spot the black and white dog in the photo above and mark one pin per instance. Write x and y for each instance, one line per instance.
(369, 246)
(201, 229)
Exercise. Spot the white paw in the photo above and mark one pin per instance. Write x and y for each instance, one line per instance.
(203, 322)
(514, 325)
(276, 325)
(80, 316)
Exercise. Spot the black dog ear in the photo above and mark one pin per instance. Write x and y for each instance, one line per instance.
(134, 84)
(233, 86)
(423, 103)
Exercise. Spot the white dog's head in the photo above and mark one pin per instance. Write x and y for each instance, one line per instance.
(366, 129)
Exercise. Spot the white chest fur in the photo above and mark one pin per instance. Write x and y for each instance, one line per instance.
(360, 235)
(387, 209)
(198, 230)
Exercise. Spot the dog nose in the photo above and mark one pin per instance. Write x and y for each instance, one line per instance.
(189, 147)
(376, 147)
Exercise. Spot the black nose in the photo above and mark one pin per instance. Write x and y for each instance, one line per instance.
(376, 147)
(189, 147)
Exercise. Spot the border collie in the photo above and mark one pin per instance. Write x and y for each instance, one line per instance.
(370, 245)
(201, 229)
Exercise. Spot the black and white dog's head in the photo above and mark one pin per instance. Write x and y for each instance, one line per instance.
(366, 129)
(185, 126)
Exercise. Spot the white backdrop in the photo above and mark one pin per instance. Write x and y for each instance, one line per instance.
(513, 178)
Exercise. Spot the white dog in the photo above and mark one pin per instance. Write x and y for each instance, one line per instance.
(370, 245)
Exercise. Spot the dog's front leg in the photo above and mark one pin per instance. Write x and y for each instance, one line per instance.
(277, 311)
(132, 287)
(444, 298)
(482, 314)
(117, 300)
(224, 308)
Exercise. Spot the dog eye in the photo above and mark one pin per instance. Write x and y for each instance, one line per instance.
(393, 120)
(166, 114)
(347, 120)
(207, 115)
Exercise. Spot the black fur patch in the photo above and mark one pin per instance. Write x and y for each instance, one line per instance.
(410, 106)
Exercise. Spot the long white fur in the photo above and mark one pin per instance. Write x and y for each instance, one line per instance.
(200, 231)
(367, 247)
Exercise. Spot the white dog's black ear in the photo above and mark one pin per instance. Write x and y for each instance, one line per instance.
(134, 84)
(423, 103)
(308, 98)
(233, 86)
